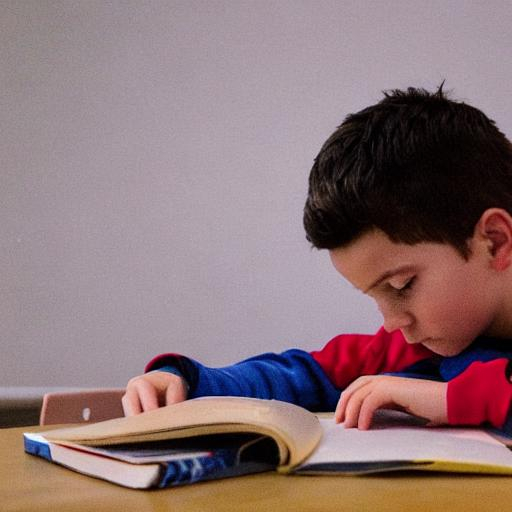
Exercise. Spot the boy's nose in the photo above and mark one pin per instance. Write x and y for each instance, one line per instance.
(397, 320)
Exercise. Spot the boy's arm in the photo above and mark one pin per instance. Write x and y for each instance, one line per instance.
(482, 393)
(293, 376)
(310, 380)
(476, 389)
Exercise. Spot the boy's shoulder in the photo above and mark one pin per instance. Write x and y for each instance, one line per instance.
(349, 356)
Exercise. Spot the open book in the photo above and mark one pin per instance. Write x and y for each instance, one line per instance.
(215, 437)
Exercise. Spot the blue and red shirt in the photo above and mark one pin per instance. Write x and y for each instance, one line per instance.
(479, 390)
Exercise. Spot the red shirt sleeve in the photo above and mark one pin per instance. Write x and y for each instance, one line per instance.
(162, 360)
(481, 393)
(349, 356)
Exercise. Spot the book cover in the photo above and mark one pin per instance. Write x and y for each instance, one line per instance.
(161, 463)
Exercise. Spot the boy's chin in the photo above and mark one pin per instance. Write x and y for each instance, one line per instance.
(445, 348)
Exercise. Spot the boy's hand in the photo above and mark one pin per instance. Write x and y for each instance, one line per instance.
(358, 402)
(152, 390)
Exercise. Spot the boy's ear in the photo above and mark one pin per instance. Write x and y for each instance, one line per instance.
(495, 229)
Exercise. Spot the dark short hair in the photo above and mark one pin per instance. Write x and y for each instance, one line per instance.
(417, 165)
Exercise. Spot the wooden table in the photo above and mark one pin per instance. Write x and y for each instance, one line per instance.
(31, 484)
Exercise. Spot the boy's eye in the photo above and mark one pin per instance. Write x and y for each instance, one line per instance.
(403, 286)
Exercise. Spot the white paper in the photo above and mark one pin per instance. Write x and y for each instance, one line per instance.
(350, 445)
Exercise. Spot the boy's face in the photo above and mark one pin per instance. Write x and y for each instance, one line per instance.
(427, 290)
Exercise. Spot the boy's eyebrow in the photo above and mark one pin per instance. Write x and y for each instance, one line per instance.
(390, 273)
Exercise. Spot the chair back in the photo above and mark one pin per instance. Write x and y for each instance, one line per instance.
(88, 406)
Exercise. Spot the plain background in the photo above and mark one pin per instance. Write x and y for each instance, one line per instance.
(154, 161)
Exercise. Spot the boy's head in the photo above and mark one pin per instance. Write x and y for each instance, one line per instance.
(413, 199)
(417, 165)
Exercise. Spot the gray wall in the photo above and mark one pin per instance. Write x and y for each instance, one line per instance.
(154, 158)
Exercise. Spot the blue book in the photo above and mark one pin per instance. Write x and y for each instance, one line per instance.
(158, 464)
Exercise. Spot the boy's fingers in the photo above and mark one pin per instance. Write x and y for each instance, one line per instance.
(341, 408)
(175, 392)
(339, 413)
(152, 390)
(148, 395)
(353, 408)
(346, 398)
(141, 395)
(372, 402)
(130, 402)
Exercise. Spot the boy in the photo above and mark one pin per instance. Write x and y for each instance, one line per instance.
(412, 197)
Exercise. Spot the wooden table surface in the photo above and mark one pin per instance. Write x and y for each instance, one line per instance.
(31, 484)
